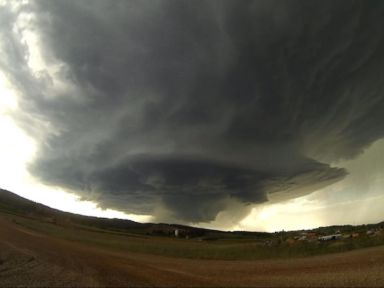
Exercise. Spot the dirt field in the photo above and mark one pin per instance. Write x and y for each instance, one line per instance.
(30, 258)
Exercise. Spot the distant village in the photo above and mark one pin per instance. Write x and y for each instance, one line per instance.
(326, 234)
(337, 235)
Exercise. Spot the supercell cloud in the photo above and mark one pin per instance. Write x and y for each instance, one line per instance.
(179, 109)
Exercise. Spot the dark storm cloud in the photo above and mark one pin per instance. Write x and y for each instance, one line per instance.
(186, 104)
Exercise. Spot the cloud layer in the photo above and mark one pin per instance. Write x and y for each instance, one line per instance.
(181, 108)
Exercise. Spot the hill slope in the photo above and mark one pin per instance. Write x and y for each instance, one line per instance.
(15, 204)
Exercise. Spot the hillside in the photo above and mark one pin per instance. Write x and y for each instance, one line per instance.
(12, 203)
(15, 204)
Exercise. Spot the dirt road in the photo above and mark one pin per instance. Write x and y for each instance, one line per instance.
(29, 258)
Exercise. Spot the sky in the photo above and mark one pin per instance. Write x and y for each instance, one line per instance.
(234, 115)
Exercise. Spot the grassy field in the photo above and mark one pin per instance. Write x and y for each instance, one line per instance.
(227, 248)
(40, 246)
(158, 239)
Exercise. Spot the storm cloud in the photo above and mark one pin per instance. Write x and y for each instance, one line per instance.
(191, 105)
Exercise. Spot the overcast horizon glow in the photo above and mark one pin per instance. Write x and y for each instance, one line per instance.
(187, 113)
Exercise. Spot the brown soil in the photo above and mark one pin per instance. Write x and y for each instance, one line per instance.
(28, 258)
